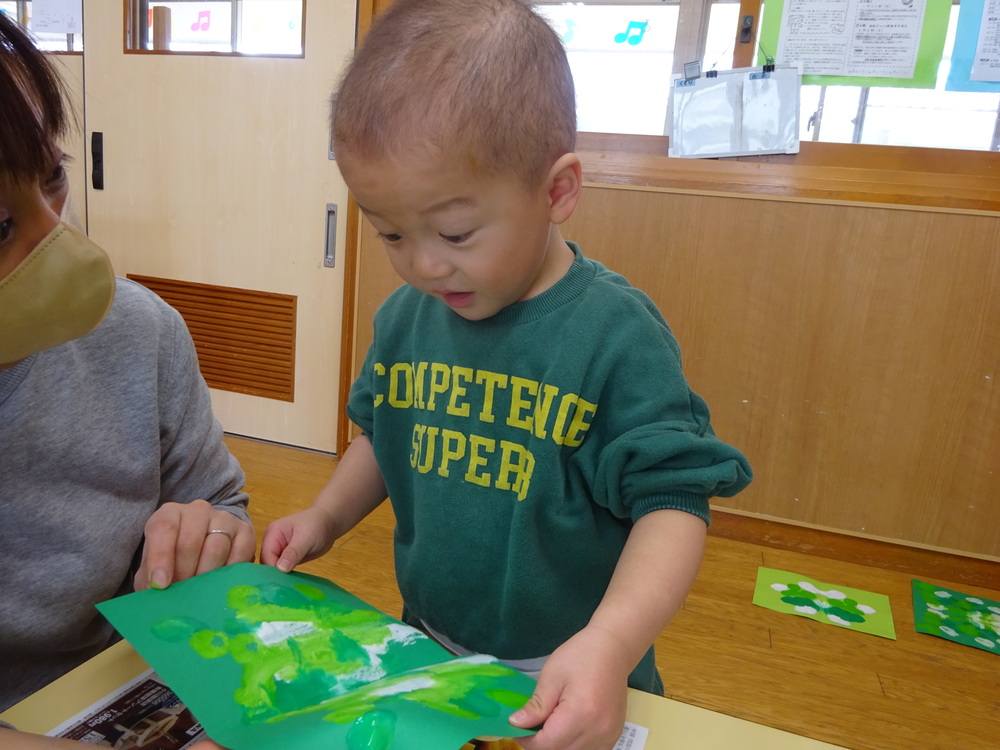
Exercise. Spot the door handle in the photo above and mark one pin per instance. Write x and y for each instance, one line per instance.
(97, 160)
(330, 246)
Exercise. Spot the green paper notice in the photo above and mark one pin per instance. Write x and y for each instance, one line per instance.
(266, 659)
(962, 618)
(831, 604)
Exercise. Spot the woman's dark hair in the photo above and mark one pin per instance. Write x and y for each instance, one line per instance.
(33, 115)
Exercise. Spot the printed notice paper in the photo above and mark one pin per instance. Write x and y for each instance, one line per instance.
(975, 56)
(897, 43)
(877, 38)
(265, 659)
(57, 16)
(986, 64)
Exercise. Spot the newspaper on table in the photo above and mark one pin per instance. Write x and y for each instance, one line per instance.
(143, 713)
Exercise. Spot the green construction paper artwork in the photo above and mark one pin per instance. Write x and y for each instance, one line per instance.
(962, 618)
(844, 607)
(266, 659)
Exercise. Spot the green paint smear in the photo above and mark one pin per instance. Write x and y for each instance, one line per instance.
(302, 653)
(845, 609)
(372, 731)
(177, 629)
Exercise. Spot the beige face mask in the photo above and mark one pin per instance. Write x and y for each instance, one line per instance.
(60, 292)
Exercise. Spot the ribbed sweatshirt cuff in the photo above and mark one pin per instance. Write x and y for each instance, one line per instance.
(688, 502)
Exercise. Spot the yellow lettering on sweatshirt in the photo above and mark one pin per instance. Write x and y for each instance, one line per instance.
(491, 381)
(379, 369)
(444, 449)
(518, 461)
(537, 408)
(401, 373)
(440, 382)
(478, 443)
(458, 375)
(452, 449)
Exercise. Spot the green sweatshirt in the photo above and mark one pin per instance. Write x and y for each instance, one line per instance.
(519, 450)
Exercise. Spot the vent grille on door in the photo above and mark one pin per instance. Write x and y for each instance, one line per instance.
(245, 339)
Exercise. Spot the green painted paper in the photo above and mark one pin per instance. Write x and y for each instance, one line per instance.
(848, 608)
(266, 659)
(929, 53)
(962, 618)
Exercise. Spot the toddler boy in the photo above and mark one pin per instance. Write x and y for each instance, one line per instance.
(522, 406)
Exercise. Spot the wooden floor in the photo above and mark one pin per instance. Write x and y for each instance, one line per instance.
(722, 652)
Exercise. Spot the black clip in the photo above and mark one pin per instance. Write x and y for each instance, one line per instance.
(769, 68)
(711, 74)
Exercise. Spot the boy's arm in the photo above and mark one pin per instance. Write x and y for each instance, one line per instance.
(581, 696)
(355, 489)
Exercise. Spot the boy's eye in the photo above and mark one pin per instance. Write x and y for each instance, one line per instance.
(392, 237)
(456, 239)
(6, 227)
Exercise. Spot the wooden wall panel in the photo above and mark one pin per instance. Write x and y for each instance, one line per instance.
(851, 351)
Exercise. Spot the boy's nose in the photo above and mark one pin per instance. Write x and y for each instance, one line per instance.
(430, 264)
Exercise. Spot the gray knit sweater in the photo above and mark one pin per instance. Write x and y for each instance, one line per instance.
(94, 436)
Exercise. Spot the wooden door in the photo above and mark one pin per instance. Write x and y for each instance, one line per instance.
(216, 171)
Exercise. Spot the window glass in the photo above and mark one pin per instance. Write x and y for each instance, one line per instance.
(197, 27)
(721, 36)
(903, 116)
(23, 13)
(252, 27)
(272, 27)
(621, 56)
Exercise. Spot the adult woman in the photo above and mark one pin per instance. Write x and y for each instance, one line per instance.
(107, 440)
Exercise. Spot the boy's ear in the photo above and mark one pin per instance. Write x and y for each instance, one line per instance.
(564, 183)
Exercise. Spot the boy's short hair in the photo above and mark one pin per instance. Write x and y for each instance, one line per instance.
(32, 114)
(487, 80)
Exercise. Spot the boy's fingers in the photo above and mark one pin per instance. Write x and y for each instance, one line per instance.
(534, 712)
(274, 543)
(289, 559)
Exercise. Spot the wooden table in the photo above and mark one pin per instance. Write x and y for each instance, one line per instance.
(672, 725)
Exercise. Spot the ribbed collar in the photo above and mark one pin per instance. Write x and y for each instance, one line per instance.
(12, 377)
(569, 287)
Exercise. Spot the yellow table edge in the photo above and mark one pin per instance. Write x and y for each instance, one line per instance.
(672, 725)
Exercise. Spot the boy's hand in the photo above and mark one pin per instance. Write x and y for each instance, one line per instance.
(297, 538)
(580, 697)
(180, 543)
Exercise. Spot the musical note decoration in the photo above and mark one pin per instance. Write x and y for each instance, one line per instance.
(570, 27)
(203, 22)
(633, 34)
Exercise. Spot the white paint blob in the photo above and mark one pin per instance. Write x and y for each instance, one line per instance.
(279, 630)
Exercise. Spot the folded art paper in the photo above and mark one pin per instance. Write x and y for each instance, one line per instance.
(963, 618)
(266, 659)
(832, 604)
